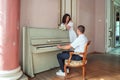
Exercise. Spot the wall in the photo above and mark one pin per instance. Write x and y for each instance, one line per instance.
(92, 15)
(99, 26)
(39, 13)
(87, 18)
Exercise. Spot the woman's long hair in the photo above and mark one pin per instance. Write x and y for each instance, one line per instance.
(65, 17)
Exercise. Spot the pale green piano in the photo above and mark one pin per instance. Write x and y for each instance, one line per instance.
(39, 49)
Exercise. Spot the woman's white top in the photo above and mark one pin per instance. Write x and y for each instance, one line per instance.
(72, 34)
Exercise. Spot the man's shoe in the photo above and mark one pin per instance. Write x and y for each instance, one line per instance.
(61, 70)
(60, 73)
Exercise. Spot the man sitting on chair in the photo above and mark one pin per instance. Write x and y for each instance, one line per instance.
(78, 44)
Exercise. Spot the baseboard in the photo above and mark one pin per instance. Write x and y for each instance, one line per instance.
(95, 52)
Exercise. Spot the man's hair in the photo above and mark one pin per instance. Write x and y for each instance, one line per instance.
(81, 28)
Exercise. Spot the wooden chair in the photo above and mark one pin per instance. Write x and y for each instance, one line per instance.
(74, 63)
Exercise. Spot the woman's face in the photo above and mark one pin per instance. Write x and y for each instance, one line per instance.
(78, 32)
(67, 19)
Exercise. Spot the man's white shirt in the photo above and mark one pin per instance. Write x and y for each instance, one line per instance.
(79, 43)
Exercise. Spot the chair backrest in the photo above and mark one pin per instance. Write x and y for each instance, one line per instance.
(86, 46)
(85, 51)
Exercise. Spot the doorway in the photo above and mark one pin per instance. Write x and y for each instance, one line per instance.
(112, 38)
(117, 28)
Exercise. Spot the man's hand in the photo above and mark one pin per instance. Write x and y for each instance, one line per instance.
(66, 47)
(59, 46)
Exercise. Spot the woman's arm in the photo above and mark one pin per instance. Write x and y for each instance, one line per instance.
(67, 27)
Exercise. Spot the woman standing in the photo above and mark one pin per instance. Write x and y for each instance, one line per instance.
(67, 22)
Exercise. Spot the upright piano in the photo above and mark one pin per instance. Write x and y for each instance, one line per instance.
(39, 49)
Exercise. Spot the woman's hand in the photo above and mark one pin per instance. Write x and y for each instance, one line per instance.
(68, 27)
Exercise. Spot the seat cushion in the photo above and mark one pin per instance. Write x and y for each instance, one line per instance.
(75, 63)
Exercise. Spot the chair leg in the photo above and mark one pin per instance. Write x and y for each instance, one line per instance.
(83, 72)
(65, 70)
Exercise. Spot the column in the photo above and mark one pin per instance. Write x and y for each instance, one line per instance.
(9, 39)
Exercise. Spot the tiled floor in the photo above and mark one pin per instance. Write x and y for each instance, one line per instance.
(99, 67)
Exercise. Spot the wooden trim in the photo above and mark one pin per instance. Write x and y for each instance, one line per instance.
(64, 6)
(95, 52)
(71, 8)
(60, 11)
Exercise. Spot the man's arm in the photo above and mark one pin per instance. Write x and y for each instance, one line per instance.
(64, 47)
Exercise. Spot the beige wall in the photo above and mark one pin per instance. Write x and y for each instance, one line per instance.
(87, 18)
(99, 26)
(39, 13)
(92, 15)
